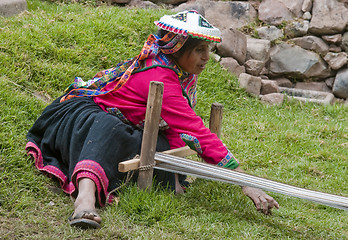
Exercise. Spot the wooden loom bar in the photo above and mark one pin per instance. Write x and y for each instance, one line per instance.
(134, 163)
(149, 142)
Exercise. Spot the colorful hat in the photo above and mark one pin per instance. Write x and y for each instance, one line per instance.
(190, 23)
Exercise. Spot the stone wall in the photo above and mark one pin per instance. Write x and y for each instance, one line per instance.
(12, 7)
(300, 44)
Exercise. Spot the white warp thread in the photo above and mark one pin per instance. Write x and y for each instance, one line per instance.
(207, 171)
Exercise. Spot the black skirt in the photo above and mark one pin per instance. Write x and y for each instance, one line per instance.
(76, 139)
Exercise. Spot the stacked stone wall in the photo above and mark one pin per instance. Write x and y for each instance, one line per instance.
(300, 44)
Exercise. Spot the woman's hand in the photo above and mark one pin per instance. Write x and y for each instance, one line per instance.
(263, 202)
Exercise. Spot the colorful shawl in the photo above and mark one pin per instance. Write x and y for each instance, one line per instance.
(153, 54)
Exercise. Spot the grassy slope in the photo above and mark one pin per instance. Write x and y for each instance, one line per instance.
(304, 145)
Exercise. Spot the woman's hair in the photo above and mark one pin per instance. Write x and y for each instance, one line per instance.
(189, 44)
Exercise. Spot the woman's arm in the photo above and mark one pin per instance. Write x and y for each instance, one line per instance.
(183, 119)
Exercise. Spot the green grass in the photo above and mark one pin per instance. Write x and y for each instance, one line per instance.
(41, 51)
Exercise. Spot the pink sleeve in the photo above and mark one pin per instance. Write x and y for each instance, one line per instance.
(186, 126)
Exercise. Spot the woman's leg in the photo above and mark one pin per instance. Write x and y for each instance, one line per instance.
(178, 188)
(85, 201)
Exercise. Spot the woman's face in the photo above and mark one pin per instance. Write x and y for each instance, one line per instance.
(194, 60)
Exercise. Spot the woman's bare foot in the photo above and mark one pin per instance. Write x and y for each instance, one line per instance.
(85, 214)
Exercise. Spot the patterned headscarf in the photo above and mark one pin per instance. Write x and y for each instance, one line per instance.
(153, 53)
(122, 71)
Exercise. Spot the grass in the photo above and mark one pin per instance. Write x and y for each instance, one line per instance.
(42, 50)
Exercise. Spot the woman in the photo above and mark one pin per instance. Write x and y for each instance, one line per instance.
(81, 137)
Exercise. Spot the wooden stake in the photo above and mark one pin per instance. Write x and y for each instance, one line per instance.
(215, 121)
(148, 146)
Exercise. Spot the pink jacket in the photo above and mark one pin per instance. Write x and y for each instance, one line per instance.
(185, 126)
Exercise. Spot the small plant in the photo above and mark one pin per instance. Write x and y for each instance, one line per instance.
(251, 28)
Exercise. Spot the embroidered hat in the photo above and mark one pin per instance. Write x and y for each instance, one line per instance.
(190, 23)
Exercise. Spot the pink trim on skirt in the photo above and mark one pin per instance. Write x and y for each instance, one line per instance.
(85, 168)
